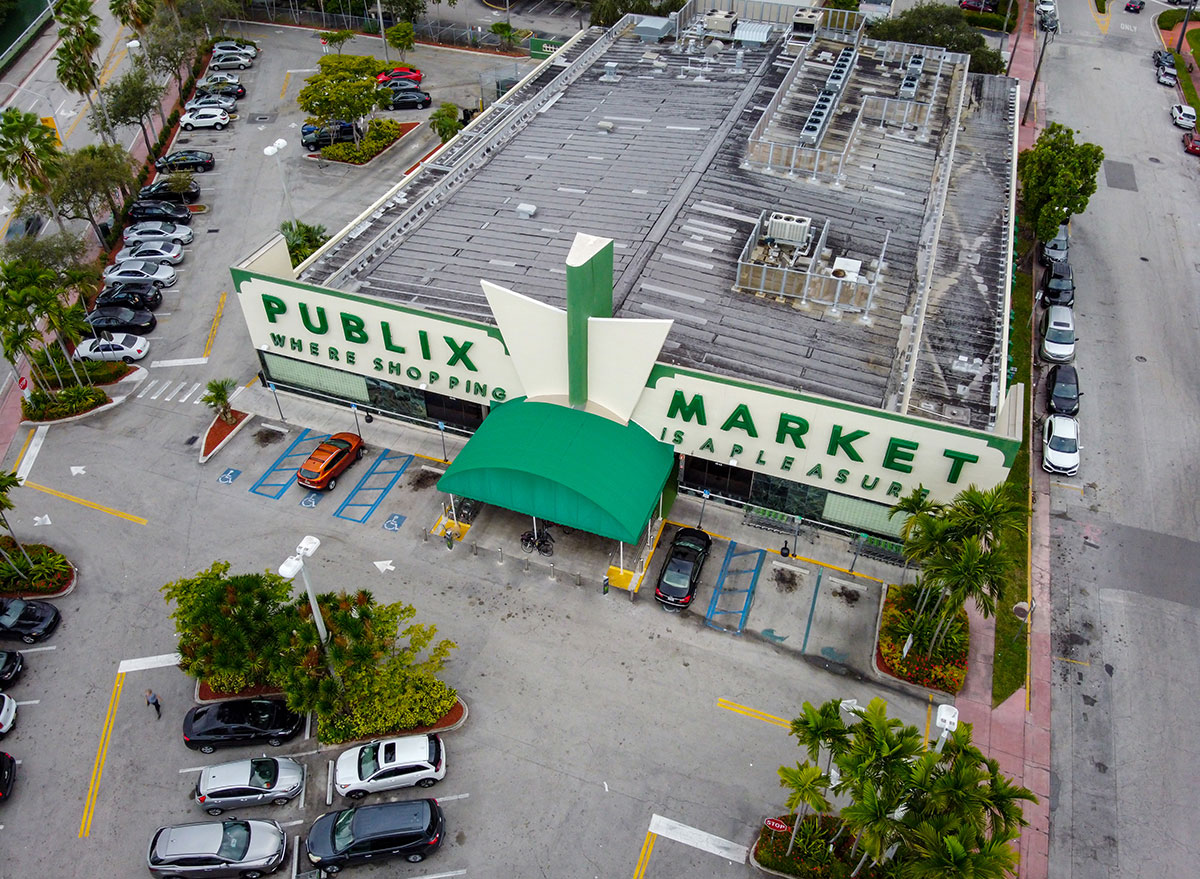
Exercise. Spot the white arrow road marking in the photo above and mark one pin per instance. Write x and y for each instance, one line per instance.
(384, 567)
(42, 520)
(78, 471)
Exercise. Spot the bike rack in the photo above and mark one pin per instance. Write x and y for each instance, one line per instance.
(721, 591)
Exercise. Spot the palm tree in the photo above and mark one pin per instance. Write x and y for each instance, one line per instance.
(19, 340)
(805, 784)
(77, 72)
(816, 728)
(28, 155)
(217, 398)
(938, 854)
(916, 506)
(9, 481)
(134, 14)
(67, 322)
(989, 514)
(969, 570)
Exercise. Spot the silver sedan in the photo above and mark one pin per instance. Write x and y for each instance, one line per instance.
(166, 253)
(157, 230)
(137, 270)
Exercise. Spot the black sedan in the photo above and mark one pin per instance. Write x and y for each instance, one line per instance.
(1062, 390)
(1058, 285)
(139, 297)
(8, 774)
(161, 190)
(114, 319)
(160, 210)
(27, 620)
(410, 100)
(239, 722)
(11, 663)
(186, 160)
(680, 574)
(227, 89)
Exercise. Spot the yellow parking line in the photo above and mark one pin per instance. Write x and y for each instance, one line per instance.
(212, 333)
(28, 439)
(1076, 661)
(928, 720)
(85, 825)
(283, 91)
(644, 858)
(754, 713)
(137, 520)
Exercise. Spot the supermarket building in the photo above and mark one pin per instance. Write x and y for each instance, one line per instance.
(753, 254)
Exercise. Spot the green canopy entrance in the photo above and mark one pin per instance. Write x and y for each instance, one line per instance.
(564, 465)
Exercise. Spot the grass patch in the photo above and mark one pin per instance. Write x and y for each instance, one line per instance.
(1169, 19)
(1101, 6)
(1008, 665)
(1185, 81)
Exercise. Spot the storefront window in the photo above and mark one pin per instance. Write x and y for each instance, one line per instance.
(723, 481)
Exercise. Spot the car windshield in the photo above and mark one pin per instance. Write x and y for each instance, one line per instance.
(13, 612)
(343, 837)
(368, 760)
(1060, 335)
(1064, 388)
(676, 576)
(1061, 284)
(263, 772)
(1064, 443)
(235, 840)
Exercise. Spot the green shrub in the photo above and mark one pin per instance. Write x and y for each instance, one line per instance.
(946, 668)
(992, 21)
(388, 704)
(381, 134)
(810, 854)
(50, 571)
(99, 372)
(1169, 19)
(70, 401)
(143, 175)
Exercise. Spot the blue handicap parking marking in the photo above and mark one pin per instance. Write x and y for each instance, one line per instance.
(311, 499)
(229, 476)
(393, 522)
(282, 473)
(370, 491)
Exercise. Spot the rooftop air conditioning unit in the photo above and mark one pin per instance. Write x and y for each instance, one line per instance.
(718, 21)
(789, 229)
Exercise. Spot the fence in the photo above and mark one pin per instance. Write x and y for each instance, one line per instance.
(22, 40)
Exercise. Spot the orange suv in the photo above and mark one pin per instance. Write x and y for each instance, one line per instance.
(330, 460)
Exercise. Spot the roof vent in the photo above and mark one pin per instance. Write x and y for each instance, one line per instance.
(610, 72)
(605, 126)
(525, 210)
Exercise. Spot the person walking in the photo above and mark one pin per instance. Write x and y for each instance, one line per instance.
(152, 700)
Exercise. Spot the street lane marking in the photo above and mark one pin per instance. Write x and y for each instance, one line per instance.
(163, 660)
(644, 857)
(36, 649)
(137, 520)
(150, 384)
(283, 91)
(159, 392)
(187, 361)
(85, 825)
(706, 842)
(753, 712)
(212, 333)
(1076, 661)
(30, 452)
(28, 438)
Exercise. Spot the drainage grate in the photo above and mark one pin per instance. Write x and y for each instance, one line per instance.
(265, 117)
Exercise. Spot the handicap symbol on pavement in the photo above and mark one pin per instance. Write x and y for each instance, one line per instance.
(311, 499)
(393, 522)
(228, 476)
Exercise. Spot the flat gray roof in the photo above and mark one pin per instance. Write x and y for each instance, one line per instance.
(653, 153)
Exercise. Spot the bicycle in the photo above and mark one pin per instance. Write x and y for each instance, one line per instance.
(543, 541)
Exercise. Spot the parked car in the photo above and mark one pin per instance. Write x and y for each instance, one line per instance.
(166, 253)
(400, 85)
(11, 665)
(8, 714)
(977, 5)
(1166, 76)
(138, 270)
(1057, 248)
(1058, 334)
(188, 160)
(230, 61)
(120, 347)
(1163, 58)
(219, 102)
(329, 134)
(1048, 22)
(25, 225)
(112, 320)
(224, 89)
(212, 79)
(253, 782)
(239, 722)
(1191, 144)
(235, 46)
(1135, 5)
(208, 117)
(1045, 6)
(329, 460)
(1060, 445)
(401, 72)
(161, 190)
(411, 829)
(388, 764)
(8, 775)
(27, 619)
(230, 849)
(157, 230)
(1183, 116)
(142, 210)
(680, 574)
(135, 296)
(1062, 390)
(1058, 285)
(410, 99)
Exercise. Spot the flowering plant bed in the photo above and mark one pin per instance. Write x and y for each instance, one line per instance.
(381, 134)
(220, 430)
(945, 669)
(811, 854)
(49, 574)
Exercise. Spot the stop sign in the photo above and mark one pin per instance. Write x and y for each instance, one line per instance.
(22, 383)
(775, 824)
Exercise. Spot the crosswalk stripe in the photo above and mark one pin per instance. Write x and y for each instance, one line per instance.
(146, 389)
(159, 392)
(171, 396)
(191, 391)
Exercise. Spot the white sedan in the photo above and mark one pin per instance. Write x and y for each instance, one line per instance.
(207, 117)
(138, 270)
(157, 230)
(119, 347)
(166, 253)
(1060, 445)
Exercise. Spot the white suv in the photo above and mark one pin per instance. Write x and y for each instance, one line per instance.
(387, 764)
(8, 714)
(1058, 334)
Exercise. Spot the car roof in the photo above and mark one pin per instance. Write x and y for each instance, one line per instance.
(232, 774)
(383, 818)
(1065, 371)
(1060, 314)
(1064, 425)
(190, 839)
(407, 749)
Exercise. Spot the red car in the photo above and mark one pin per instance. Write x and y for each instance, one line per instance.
(401, 73)
(1191, 143)
(330, 460)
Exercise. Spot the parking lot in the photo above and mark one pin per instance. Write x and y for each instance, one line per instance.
(590, 714)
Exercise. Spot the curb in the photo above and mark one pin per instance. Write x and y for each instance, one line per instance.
(138, 375)
(203, 457)
(910, 688)
(317, 157)
(753, 860)
(46, 596)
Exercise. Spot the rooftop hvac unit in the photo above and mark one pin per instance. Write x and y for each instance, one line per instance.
(916, 64)
(789, 229)
(718, 21)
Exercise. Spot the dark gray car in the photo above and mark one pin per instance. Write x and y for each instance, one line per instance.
(221, 849)
(252, 782)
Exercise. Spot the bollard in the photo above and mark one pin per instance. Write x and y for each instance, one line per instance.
(552, 571)
(474, 547)
(526, 564)
(449, 539)
(605, 586)
(425, 536)
(502, 555)
(578, 579)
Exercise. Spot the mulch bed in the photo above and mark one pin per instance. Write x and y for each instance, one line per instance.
(207, 693)
(221, 429)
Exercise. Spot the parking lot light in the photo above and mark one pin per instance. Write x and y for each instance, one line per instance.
(293, 565)
(273, 150)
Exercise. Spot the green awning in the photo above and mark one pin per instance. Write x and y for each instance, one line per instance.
(564, 465)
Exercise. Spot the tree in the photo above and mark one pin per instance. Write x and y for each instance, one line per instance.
(446, 121)
(991, 514)
(134, 14)
(405, 10)
(818, 728)
(302, 239)
(88, 181)
(9, 481)
(29, 156)
(505, 32)
(168, 49)
(401, 37)
(61, 252)
(329, 97)
(932, 24)
(1058, 177)
(337, 39)
(805, 784)
(216, 397)
(132, 100)
(68, 321)
(76, 55)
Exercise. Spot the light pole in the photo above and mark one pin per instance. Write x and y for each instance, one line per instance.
(273, 150)
(293, 565)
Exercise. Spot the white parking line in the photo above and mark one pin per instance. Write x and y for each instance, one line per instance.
(295, 854)
(39, 436)
(292, 823)
(146, 662)
(36, 649)
(29, 702)
(442, 799)
(445, 875)
(188, 361)
(171, 396)
(192, 769)
(191, 391)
